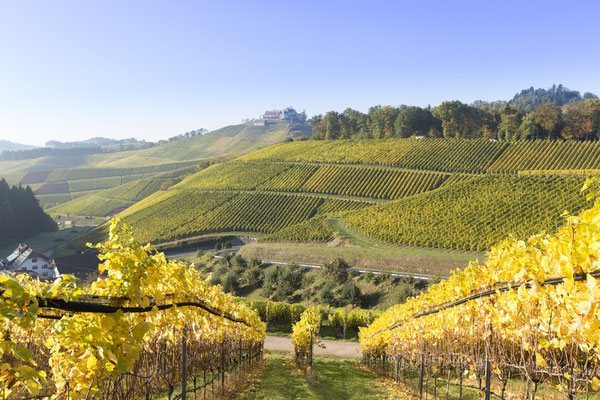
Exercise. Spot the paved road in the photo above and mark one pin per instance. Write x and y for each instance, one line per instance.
(335, 348)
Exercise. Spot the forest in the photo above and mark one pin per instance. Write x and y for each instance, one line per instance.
(21, 214)
(555, 113)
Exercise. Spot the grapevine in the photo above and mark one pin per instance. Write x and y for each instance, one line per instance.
(84, 354)
(551, 330)
(306, 328)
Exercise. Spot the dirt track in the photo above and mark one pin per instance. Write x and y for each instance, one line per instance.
(335, 348)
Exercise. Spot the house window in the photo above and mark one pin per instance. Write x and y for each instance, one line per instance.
(34, 260)
(34, 267)
(45, 266)
(45, 274)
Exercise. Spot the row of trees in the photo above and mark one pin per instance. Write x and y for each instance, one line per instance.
(579, 120)
(20, 214)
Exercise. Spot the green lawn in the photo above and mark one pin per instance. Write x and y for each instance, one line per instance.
(333, 378)
(419, 260)
(46, 241)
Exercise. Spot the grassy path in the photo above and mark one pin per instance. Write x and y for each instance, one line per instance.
(364, 241)
(334, 378)
(335, 348)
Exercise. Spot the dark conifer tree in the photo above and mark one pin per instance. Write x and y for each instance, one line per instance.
(20, 214)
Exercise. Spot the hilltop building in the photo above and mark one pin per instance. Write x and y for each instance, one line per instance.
(26, 260)
(289, 114)
(273, 115)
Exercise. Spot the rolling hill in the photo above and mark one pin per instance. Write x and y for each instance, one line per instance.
(445, 193)
(6, 145)
(62, 179)
(110, 201)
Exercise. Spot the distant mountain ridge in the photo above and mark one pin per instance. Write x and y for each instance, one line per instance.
(6, 145)
(92, 142)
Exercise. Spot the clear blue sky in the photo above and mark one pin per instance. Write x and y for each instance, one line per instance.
(153, 69)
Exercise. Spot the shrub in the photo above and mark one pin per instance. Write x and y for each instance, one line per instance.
(239, 261)
(325, 294)
(271, 276)
(252, 276)
(254, 262)
(291, 277)
(307, 293)
(336, 271)
(282, 292)
(215, 279)
(221, 270)
(278, 312)
(230, 282)
(350, 294)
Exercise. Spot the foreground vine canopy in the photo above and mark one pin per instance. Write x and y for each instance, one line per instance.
(306, 328)
(551, 332)
(79, 355)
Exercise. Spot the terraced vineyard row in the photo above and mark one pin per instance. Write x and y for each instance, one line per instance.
(361, 181)
(91, 205)
(354, 181)
(548, 155)
(313, 230)
(371, 182)
(100, 203)
(175, 214)
(233, 176)
(93, 173)
(104, 203)
(478, 198)
(448, 155)
(50, 200)
(455, 178)
(474, 214)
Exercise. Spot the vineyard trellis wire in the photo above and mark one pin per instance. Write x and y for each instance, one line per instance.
(457, 361)
(134, 333)
(529, 315)
(130, 384)
(502, 287)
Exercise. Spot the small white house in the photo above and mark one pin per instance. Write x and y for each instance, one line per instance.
(26, 260)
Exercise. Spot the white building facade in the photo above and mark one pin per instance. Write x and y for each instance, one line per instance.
(26, 260)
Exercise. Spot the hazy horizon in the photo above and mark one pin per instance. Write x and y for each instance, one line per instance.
(152, 70)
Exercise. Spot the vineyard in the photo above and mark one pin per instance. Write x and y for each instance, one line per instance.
(474, 214)
(358, 181)
(60, 179)
(548, 155)
(144, 326)
(177, 213)
(457, 194)
(62, 185)
(446, 155)
(528, 313)
(313, 230)
(103, 203)
(469, 156)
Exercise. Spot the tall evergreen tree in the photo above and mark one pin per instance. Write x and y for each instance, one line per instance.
(20, 214)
